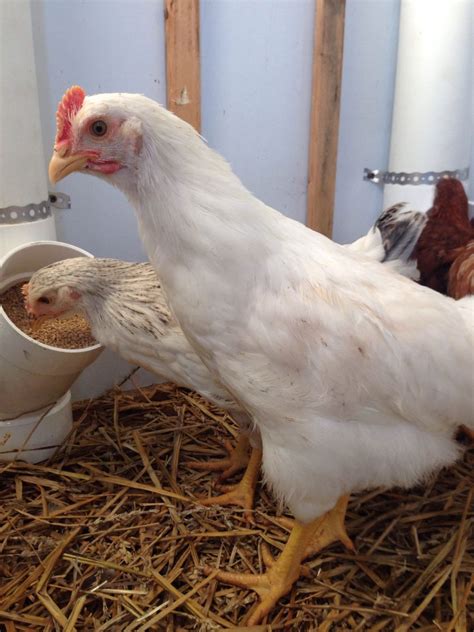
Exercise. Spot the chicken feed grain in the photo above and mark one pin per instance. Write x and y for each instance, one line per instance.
(71, 333)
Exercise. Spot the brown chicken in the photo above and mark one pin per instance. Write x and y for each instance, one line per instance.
(461, 273)
(447, 231)
(445, 249)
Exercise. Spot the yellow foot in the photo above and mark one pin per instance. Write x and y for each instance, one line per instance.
(243, 493)
(331, 529)
(269, 586)
(237, 460)
(284, 572)
(279, 576)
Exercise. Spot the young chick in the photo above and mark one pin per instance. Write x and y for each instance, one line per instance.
(128, 313)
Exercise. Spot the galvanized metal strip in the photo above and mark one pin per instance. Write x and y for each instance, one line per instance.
(34, 212)
(59, 200)
(28, 213)
(414, 178)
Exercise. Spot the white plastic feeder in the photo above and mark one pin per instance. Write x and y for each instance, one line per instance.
(36, 436)
(432, 112)
(34, 375)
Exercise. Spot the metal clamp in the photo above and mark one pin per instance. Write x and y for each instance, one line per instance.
(59, 200)
(22, 214)
(415, 178)
(34, 212)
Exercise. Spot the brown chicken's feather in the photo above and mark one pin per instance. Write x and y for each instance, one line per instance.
(461, 273)
(448, 228)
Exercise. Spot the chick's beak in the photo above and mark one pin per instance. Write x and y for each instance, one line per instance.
(63, 163)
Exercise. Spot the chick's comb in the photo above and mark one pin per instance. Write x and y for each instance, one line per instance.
(69, 105)
(25, 288)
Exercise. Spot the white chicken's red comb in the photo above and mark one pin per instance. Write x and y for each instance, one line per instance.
(68, 107)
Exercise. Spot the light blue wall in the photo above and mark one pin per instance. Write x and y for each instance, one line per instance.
(368, 81)
(256, 60)
(256, 86)
(103, 46)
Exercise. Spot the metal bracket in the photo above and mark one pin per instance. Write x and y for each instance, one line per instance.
(34, 212)
(415, 178)
(27, 213)
(59, 200)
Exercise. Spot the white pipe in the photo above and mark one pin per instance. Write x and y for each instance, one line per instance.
(36, 436)
(431, 126)
(22, 166)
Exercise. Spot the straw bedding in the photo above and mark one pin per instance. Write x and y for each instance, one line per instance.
(107, 536)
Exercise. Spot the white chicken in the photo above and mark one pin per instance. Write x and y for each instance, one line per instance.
(128, 313)
(354, 376)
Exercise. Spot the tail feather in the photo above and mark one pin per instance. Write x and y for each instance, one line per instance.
(400, 230)
(392, 239)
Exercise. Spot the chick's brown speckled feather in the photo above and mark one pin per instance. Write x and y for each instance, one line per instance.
(129, 313)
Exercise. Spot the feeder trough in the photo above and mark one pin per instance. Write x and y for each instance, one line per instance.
(35, 376)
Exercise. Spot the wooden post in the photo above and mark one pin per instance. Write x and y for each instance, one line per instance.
(183, 81)
(325, 102)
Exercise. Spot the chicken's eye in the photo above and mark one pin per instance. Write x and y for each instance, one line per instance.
(44, 299)
(98, 128)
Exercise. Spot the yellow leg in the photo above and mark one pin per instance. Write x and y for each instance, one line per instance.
(237, 460)
(243, 493)
(331, 530)
(284, 572)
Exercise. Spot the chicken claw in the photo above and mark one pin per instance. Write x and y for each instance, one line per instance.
(237, 460)
(282, 573)
(243, 493)
(331, 530)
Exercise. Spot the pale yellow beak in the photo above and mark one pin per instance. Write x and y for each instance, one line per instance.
(62, 165)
